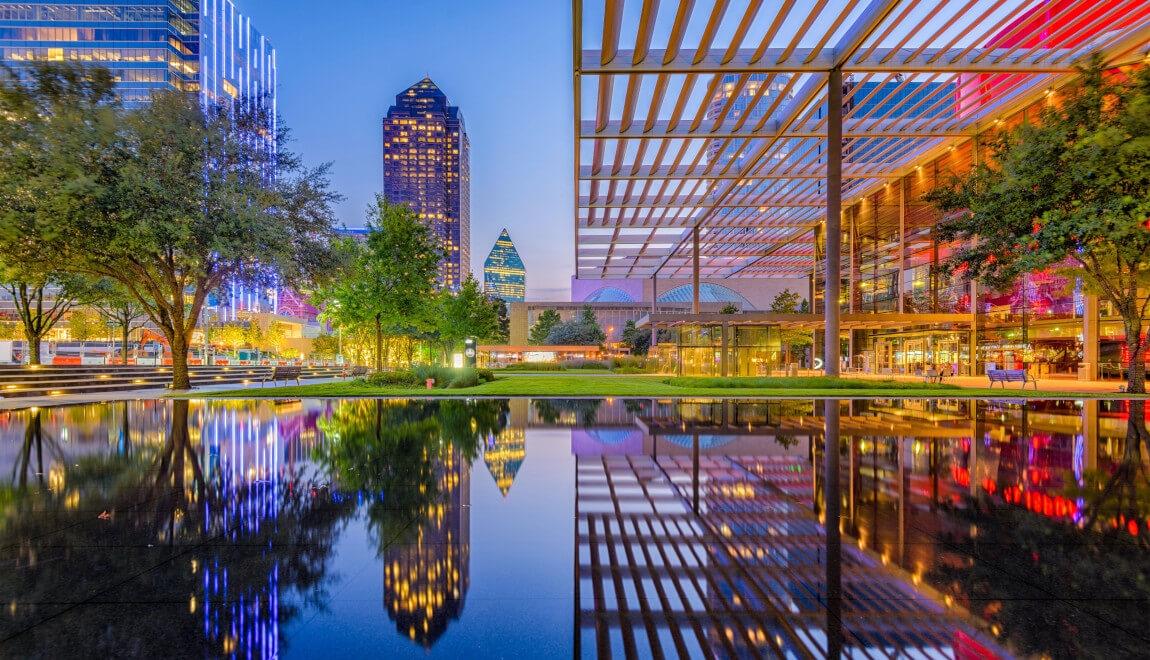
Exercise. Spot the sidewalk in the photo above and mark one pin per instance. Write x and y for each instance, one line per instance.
(1064, 385)
(17, 403)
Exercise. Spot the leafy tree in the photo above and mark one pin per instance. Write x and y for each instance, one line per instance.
(325, 347)
(543, 326)
(789, 302)
(38, 121)
(467, 313)
(1070, 192)
(504, 316)
(85, 325)
(121, 311)
(41, 300)
(388, 280)
(729, 308)
(9, 330)
(582, 330)
(231, 335)
(630, 336)
(171, 200)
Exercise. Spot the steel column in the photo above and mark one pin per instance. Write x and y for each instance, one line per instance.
(834, 257)
(695, 271)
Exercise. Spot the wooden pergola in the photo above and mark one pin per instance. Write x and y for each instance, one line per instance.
(720, 138)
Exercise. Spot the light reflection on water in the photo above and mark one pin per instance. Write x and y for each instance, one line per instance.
(559, 527)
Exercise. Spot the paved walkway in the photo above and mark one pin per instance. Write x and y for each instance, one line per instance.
(16, 403)
(1044, 384)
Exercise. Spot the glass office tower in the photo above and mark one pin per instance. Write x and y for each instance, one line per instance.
(426, 166)
(504, 275)
(201, 46)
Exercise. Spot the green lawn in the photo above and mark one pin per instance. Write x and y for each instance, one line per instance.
(586, 385)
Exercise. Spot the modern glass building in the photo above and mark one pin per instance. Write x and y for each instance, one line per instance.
(426, 166)
(504, 275)
(202, 46)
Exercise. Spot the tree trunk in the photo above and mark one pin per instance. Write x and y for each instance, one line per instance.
(124, 346)
(378, 343)
(181, 380)
(1136, 348)
(33, 346)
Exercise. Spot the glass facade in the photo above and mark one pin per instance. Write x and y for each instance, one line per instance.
(504, 275)
(201, 46)
(426, 166)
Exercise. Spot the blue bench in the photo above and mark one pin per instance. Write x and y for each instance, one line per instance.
(1005, 376)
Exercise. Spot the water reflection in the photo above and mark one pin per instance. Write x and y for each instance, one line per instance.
(701, 528)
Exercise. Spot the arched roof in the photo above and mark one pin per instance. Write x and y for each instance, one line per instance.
(610, 294)
(708, 293)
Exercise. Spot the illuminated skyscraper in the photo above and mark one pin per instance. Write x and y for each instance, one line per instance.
(202, 46)
(504, 275)
(426, 166)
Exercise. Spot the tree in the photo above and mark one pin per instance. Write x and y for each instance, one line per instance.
(231, 335)
(171, 200)
(504, 316)
(387, 280)
(789, 302)
(582, 330)
(85, 325)
(466, 314)
(325, 347)
(41, 300)
(730, 308)
(119, 310)
(1070, 192)
(630, 337)
(38, 120)
(543, 326)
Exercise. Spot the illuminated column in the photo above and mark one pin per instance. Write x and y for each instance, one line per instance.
(724, 347)
(695, 271)
(833, 221)
(973, 338)
(654, 308)
(853, 272)
(901, 240)
(1090, 339)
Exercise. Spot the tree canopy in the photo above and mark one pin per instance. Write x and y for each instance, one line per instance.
(546, 322)
(171, 200)
(386, 281)
(582, 330)
(1069, 191)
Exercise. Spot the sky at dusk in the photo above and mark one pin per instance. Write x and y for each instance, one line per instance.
(507, 64)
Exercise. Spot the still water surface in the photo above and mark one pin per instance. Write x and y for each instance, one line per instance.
(588, 528)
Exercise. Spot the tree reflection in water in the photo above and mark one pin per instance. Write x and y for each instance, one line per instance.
(158, 559)
(411, 461)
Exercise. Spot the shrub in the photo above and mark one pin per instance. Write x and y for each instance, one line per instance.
(588, 364)
(442, 375)
(486, 375)
(535, 366)
(464, 378)
(628, 371)
(392, 379)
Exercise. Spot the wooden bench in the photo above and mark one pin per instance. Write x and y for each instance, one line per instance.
(353, 372)
(1005, 376)
(934, 375)
(284, 374)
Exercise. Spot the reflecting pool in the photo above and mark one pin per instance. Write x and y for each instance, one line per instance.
(583, 527)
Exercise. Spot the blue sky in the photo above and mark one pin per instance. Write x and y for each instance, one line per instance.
(506, 63)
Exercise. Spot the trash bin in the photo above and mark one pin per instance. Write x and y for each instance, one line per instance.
(1085, 371)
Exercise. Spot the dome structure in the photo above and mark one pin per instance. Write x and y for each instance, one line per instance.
(609, 294)
(708, 293)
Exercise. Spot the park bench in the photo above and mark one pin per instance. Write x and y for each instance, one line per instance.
(933, 375)
(283, 373)
(353, 372)
(1005, 376)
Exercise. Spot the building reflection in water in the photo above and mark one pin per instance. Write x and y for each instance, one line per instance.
(710, 542)
(425, 578)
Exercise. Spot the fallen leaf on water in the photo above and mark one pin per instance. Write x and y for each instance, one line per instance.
(105, 516)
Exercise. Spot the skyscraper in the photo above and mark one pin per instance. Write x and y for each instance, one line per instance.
(426, 166)
(504, 275)
(201, 46)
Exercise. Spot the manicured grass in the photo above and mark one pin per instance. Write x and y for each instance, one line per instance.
(589, 385)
